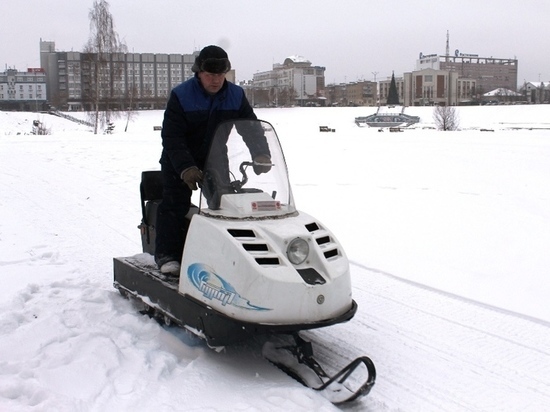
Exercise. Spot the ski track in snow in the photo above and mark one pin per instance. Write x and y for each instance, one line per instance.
(435, 351)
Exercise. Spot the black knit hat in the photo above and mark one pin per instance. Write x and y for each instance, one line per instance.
(212, 59)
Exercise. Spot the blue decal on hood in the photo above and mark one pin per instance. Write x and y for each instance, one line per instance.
(213, 286)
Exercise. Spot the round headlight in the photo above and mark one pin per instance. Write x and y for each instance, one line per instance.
(297, 251)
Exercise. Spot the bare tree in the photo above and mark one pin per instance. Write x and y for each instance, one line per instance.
(102, 44)
(446, 118)
(291, 96)
(131, 98)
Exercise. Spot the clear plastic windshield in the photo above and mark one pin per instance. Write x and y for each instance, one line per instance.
(245, 174)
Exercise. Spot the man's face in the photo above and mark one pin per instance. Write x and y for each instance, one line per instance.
(212, 82)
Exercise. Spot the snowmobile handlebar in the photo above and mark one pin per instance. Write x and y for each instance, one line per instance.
(245, 164)
(238, 184)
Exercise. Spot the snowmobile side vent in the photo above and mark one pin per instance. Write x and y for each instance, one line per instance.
(267, 260)
(241, 233)
(331, 253)
(312, 227)
(255, 247)
(323, 240)
(258, 250)
(311, 276)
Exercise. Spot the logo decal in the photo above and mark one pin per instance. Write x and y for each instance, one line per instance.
(213, 286)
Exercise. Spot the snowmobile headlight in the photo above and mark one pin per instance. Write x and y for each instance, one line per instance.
(297, 251)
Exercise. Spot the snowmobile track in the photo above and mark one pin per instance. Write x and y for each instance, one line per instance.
(436, 351)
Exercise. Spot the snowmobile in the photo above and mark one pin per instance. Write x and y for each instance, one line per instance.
(252, 264)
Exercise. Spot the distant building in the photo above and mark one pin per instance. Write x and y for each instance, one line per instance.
(384, 89)
(501, 96)
(294, 82)
(24, 91)
(536, 92)
(489, 73)
(145, 79)
(444, 87)
(431, 87)
(360, 93)
(446, 80)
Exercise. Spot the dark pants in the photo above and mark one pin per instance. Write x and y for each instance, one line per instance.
(176, 201)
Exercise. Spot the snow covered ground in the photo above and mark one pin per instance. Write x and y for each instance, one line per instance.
(448, 234)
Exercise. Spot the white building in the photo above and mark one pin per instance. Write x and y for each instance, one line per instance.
(23, 90)
(295, 81)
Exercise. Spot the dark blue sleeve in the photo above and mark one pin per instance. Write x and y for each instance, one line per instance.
(175, 129)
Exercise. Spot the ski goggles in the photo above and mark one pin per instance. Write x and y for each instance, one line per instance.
(215, 65)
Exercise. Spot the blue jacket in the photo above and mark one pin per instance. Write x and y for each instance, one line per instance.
(191, 118)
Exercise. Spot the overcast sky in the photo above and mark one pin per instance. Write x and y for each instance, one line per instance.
(353, 39)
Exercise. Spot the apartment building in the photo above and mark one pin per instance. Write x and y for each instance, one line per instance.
(360, 93)
(23, 90)
(138, 80)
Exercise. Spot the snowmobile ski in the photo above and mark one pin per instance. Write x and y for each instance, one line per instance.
(296, 360)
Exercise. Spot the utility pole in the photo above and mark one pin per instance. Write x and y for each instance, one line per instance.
(376, 91)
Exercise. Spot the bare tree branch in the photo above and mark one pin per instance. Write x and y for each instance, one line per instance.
(446, 118)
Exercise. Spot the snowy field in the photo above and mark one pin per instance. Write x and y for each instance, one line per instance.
(448, 234)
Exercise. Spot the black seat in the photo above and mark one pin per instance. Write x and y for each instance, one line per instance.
(151, 185)
(150, 190)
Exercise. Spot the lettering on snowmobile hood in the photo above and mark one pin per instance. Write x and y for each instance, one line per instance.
(214, 287)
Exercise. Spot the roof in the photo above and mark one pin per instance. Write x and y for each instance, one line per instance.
(502, 92)
(536, 84)
(298, 59)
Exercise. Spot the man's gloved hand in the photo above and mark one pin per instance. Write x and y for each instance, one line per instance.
(262, 164)
(191, 176)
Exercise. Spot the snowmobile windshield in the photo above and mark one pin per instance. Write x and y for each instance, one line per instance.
(245, 174)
